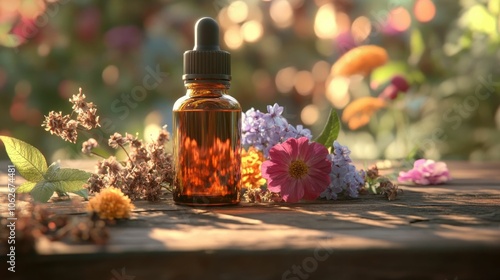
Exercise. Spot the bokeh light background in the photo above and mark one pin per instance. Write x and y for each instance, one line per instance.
(282, 51)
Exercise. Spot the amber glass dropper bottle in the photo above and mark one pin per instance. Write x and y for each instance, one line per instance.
(206, 126)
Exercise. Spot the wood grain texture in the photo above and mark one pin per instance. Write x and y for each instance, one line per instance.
(450, 231)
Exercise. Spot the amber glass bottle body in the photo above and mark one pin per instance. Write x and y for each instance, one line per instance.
(207, 145)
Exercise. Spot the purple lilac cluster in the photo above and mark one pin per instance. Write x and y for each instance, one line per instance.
(344, 178)
(264, 130)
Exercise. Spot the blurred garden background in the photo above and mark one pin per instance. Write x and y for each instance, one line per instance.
(282, 51)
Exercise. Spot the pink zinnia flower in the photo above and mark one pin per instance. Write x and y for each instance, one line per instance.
(426, 172)
(297, 169)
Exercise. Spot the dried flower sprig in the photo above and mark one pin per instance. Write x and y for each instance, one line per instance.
(37, 221)
(66, 127)
(146, 171)
(258, 195)
(143, 175)
(88, 145)
(378, 184)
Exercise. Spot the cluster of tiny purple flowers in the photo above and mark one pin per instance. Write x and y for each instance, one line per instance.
(264, 130)
(345, 180)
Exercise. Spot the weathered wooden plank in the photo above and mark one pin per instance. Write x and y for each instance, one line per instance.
(266, 265)
(449, 231)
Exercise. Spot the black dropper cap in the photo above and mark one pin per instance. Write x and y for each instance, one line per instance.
(207, 61)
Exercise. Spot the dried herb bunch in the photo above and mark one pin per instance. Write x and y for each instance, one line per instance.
(145, 172)
(378, 184)
(36, 221)
(259, 195)
(66, 127)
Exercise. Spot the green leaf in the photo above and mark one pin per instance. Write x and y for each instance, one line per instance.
(67, 179)
(26, 187)
(43, 191)
(61, 194)
(69, 175)
(28, 160)
(61, 180)
(69, 186)
(83, 193)
(51, 171)
(331, 130)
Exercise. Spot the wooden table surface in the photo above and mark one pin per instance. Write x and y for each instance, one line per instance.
(450, 231)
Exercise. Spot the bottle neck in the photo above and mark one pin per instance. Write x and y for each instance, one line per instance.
(206, 88)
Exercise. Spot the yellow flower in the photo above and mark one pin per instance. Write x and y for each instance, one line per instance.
(251, 161)
(360, 60)
(359, 112)
(111, 204)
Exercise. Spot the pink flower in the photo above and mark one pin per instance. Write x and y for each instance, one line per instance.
(398, 84)
(389, 93)
(426, 172)
(297, 169)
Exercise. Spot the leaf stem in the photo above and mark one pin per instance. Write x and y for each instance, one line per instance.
(125, 150)
(96, 154)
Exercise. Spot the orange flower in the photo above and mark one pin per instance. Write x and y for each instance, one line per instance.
(111, 204)
(359, 112)
(360, 60)
(251, 161)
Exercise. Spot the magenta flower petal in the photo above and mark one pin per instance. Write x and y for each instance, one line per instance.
(426, 172)
(291, 192)
(311, 159)
(297, 169)
(276, 167)
(303, 148)
(281, 154)
(314, 190)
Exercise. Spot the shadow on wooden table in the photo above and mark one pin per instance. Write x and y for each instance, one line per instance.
(438, 232)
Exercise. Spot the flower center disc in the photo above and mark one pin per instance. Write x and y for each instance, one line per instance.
(298, 169)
